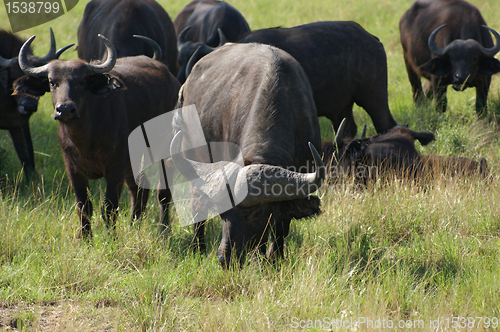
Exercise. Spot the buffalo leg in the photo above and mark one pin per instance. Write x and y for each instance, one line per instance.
(482, 90)
(24, 148)
(415, 82)
(114, 187)
(200, 212)
(377, 107)
(439, 94)
(276, 248)
(165, 197)
(138, 194)
(80, 186)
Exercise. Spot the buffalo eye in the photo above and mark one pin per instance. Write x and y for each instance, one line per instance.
(53, 84)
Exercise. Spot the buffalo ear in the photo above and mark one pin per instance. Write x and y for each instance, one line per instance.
(32, 85)
(353, 150)
(489, 66)
(437, 66)
(99, 84)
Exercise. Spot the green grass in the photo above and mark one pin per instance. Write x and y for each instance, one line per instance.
(395, 251)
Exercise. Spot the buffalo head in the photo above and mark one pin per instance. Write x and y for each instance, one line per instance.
(68, 81)
(26, 100)
(269, 197)
(462, 60)
(190, 52)
(366, 157)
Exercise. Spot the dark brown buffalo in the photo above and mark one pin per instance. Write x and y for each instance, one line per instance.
(393, 153)
(448, 42)
(16, 110)
(345, 65)
(97, 106)
(119, 20)
(197, 26)
(259, 98)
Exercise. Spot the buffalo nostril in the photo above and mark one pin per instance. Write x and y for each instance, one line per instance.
(66, 111)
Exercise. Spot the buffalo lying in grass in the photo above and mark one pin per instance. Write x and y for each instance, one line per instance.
(394, 153)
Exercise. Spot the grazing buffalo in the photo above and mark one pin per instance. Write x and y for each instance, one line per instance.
(259, 98)
(393, 152)
(119, 20)
(345, 65)
(97, 106)
(16, 110)
(197, 26)
(448, 42)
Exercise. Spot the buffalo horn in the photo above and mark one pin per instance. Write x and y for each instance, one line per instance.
(181, 40)
(26, 66)
(222, 38)
(192, 61)
(432, 43)
(363, 132)
(110, 61)
(253, 184)
(157, 54)
(339, 135)
(490, 52)
(51, 55)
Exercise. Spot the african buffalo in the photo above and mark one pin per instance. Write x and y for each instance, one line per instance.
(197, 26)
(16, 110)
(393, 153)
(259, 98)
(119, 20)
(97, 106)
(448, 42)
(345, 65)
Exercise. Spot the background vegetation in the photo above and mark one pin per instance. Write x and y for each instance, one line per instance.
(396, 251)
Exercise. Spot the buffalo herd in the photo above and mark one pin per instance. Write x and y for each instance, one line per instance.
(260, 90)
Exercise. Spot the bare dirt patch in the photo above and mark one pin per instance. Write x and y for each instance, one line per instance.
(61, 316)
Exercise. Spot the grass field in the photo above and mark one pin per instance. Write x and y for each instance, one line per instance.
(400, 252)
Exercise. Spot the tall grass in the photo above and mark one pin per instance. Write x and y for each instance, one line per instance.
(398, 250)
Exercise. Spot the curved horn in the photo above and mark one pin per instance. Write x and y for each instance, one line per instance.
(51, 55)
(110, 61)
(432, 43)
(192, 61)
(181, 40)
(26, 66)
(339, 135)
(157, 53)
(61, 50)
(490, 52)
(253, 184)
(363, 132)
(222, 38)
(6, 62)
